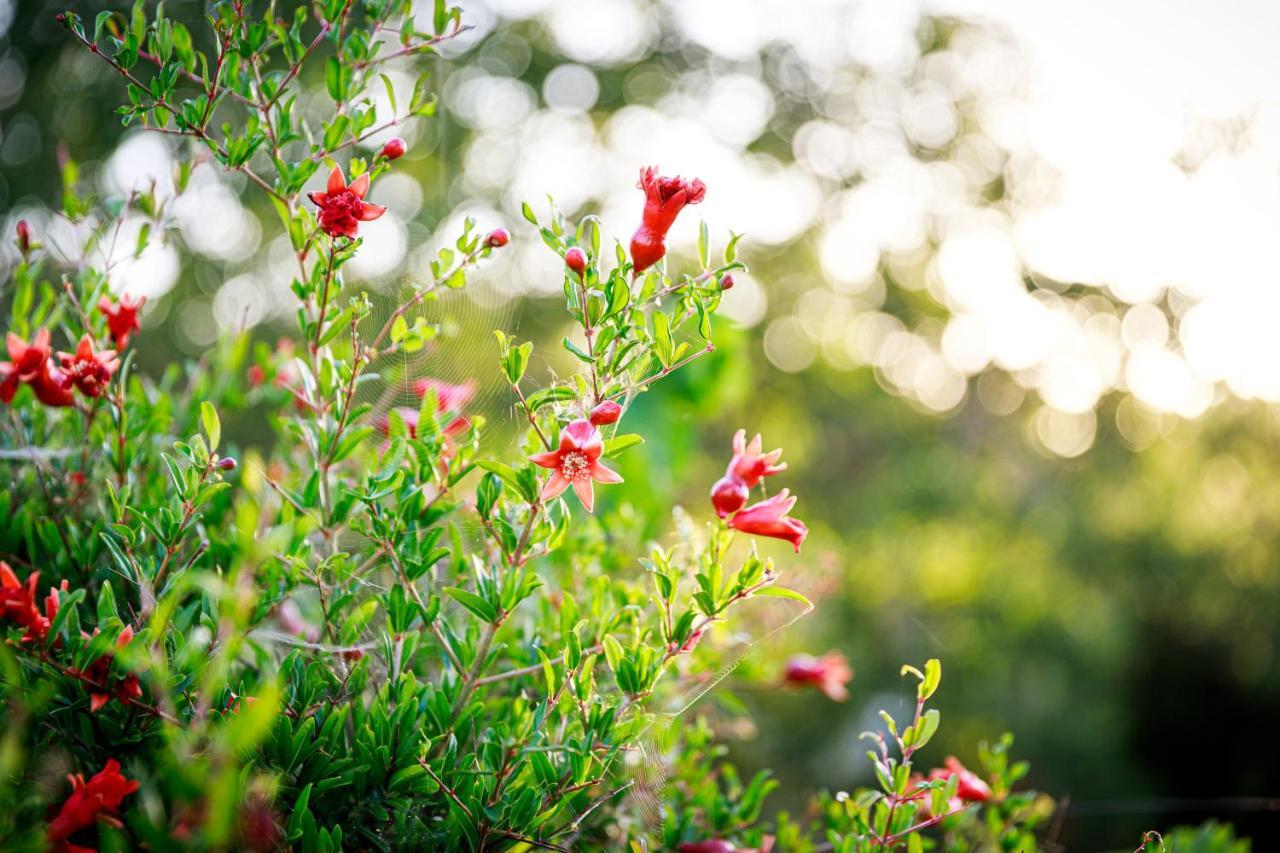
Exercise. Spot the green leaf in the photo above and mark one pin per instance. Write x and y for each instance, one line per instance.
(782, 592)
(473, 602)
(619, 443)
(571, 347)
(212, 426)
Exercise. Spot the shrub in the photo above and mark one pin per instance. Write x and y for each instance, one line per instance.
(388, 629)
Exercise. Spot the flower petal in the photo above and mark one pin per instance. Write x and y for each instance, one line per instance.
(601, 474)
(337, 183)
(586, 493)
(550, 459)
(554, 487)
(360, 186)
(370, 212)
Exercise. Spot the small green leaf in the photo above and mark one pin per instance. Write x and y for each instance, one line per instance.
(212, 426)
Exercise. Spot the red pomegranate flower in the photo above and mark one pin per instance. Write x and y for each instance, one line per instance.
(18, 603)
(719, 845)
(750, 465)
(122, 318)
(664, 198)
(829, 674)
(86, 370)
(29, 363)
(576, 463)
(97, 799)
(769, 518)
(747, 468)
(342, 207)
(970, 788)
(450, 396)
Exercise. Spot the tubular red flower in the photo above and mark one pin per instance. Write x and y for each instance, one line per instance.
(769, 518)
(30, 363)
(719, 845)
(970, 787)
(18, 603)
(750, 465)
(729, 495)
(122, 318)
(97, 799)
(87, 370)
(576, 260)
(664, 198)
(576, 463)
(606, 413)
(829, 674)
(342, 206)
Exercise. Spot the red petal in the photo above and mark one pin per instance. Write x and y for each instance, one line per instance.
(360, 185)
(337, 183)
(586, 493)
(370, 212)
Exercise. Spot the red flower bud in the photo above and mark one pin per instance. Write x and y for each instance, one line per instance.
(497, 238)
(394, 149)
(576, 260)
(226, 463)
(726, 283)
(24, 236)
(606, 413)
(729, 495)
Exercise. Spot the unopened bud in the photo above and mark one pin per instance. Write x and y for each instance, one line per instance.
(726, 283)
(576, 260)
(394, 149)
(606, 413)
(497, 238)
(24, 236)
(226, 463)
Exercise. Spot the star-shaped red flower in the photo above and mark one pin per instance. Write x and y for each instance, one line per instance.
(342, 206)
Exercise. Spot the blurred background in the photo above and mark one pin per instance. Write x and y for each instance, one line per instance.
(1012, 313)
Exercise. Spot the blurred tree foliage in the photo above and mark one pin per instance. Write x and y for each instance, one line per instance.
(1118, 611)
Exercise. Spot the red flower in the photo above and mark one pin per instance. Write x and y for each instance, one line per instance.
(576, 463)
(576, 260)
(125, 689)
(394, 149)
(829, 674)
(342, 207)
(971, 788)
(719, 845)
(29, 363)
(769, 518)
(98, 799)
(122, 318)
(729, 495)
(664, 198)
(18, 603)
(450, 397)
(86, 370)
(750, 465)
(606, 413)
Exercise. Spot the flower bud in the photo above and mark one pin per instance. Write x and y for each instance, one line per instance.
(729, 495)
(226, 463)
(24, 236)
(497, 238)
(606, 413)
(394, 149)
(726, 283)
(576, 260)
